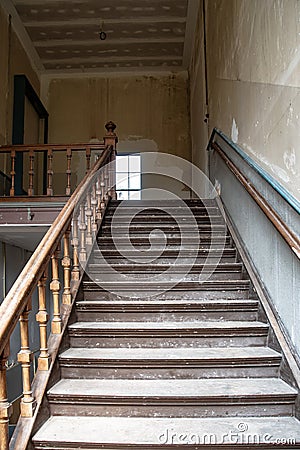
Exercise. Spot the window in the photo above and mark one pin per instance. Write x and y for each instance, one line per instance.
(128, 176)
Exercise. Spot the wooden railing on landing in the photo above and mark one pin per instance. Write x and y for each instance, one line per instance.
(51, 151)
(80, 218)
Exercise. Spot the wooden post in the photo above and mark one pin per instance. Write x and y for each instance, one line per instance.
(111, 139)
(94, 208)
(89, 213)
(55, 288)
(75, 244)
(68, 171)
(25, 357)
(98, 195)
(66, 263)
(50, 172)
(42, 318)
(102, 184)
(82, 228)
(88, 159)
(31, 173)
(12, 172)
(5, 406)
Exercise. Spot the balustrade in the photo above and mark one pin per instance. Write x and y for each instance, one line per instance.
(66, 244)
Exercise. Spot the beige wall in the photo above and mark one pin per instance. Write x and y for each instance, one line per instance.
(253, 50)
(145, 108)
(13, 61)
(198, 101)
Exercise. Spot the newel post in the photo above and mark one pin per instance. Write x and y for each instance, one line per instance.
(111, 139)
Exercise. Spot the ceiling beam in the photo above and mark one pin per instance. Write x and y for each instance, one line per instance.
(190, 29)
(111, 59)
(123, 41)
(98, 21)
(22, 34)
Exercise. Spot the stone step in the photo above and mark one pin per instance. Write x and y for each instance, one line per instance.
(152, 363)
(166, 310)
(100, 272)
(162, 433)
(153, 220)
(168, 334)
(153, 210)
(184, 230)
(160, 203)
(154, 286)
(170, 254)
(205, 240)
(216, 397)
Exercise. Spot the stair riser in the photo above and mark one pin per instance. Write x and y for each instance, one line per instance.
(165, 342)
(158, 221)
(124, 371)
(166, 316)
(139, 409)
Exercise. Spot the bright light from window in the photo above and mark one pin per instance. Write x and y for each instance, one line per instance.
(128, 176)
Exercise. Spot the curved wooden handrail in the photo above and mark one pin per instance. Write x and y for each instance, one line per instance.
(291, 239)
(15, 301)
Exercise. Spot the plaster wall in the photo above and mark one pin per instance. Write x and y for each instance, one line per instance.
(13, 61)
(198, 96)
(253, 51)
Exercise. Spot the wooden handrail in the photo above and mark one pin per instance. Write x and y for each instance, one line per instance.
(48, 150)
(54, 147)
(14, 302)
(17, 304)
(291, 239)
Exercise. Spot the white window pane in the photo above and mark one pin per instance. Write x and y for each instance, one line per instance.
(122, 195)
(135, 181)
(121, 181)
(134, 163)
(122, 163)
(134, 195)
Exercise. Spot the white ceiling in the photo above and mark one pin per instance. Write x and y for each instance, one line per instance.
(63, 36)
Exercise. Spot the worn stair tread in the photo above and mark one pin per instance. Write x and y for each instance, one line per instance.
(210, 356)
(152, 283)
(206, 390)
(183, 325)
(169, 302)
(221, 267)
(140, 432)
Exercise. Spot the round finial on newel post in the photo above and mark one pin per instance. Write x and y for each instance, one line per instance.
(110, 127)
(110, 138)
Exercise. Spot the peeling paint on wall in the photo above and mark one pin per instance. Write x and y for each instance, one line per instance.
(234, 131)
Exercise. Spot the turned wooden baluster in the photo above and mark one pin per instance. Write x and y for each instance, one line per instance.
(75, 244)
(88, 159)
(31, 173)
(56, 325)
(12, 173)
(82, 228)
(89, 213)
(94, 208)
(106, 183)
(5, 406)
(66, 263)
(68, 171)
(25, 357)
(42, 318)
(98, 196)
(102, 184)
(50, 172)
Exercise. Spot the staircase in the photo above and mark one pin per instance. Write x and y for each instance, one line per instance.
(153, 363)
